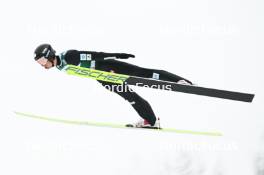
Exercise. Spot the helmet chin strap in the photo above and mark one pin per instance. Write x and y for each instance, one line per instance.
(52, 61)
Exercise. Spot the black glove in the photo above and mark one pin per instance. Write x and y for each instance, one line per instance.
(125, 56)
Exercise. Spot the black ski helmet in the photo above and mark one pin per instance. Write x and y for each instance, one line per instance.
(44, 50)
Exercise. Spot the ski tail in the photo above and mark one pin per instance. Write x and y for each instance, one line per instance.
(190, 89)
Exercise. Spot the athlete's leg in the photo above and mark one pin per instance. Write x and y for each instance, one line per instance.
(162, 75)
(142, 107)
(133, 70)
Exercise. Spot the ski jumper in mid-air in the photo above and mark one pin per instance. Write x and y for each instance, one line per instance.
(46, 56)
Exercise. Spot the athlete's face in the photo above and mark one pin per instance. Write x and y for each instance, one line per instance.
(45, 63)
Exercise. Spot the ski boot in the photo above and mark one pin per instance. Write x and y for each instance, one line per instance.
(142, 123)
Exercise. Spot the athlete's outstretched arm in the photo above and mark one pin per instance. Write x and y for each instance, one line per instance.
(99, 56)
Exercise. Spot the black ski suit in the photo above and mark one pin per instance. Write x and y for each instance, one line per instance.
(107, 62)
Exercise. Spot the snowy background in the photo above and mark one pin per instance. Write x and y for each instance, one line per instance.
(214, 43)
